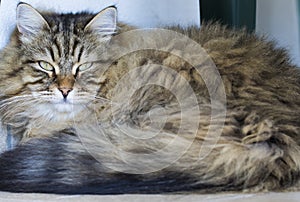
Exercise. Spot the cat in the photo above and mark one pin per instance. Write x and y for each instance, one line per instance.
(95, 106)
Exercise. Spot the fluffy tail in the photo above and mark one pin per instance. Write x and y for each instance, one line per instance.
(48, 166)
(62, 165)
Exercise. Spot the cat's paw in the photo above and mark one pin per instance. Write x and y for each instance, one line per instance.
(259, 132)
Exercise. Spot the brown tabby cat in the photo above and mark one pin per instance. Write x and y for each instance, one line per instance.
(92, 107)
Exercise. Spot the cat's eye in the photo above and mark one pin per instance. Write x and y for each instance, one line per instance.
(85, 66)
(46, 66)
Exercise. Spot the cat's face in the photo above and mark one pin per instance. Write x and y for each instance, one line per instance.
(61, 56)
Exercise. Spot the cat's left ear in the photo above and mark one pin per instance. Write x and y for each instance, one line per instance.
(104, 23)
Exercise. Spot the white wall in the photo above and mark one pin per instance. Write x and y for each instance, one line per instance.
(142, 13)
(279, 20)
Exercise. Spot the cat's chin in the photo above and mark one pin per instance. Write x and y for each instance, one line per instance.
(65, 108)
(57, 112)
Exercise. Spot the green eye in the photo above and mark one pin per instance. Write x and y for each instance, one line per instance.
(46, 66)
(85, 66)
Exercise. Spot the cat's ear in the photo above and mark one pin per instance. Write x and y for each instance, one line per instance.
(104, 23)
(29, 21)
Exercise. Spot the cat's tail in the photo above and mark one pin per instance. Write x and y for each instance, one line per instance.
(48, 165)
(62, 165)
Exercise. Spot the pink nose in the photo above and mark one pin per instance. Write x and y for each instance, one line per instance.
(65, 91)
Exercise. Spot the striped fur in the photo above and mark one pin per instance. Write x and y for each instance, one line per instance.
(58, 98)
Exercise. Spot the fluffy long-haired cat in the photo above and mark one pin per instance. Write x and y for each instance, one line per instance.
(91, 106)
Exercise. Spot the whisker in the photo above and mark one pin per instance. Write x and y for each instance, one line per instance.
(102, 98)
(23, 100)
(88, 96)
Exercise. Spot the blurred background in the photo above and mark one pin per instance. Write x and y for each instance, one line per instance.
(278, 19)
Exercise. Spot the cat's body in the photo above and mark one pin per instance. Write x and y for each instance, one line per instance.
(82, 129)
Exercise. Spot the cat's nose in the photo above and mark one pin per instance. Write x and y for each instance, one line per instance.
(65, 91)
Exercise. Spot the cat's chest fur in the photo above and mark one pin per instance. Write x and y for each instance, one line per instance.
(45, 120)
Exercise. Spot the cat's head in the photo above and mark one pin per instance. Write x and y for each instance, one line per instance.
(61, 54)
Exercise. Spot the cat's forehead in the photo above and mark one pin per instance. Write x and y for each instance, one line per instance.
(61, 38)
(65, 41)
(32, 24)
(71, 23)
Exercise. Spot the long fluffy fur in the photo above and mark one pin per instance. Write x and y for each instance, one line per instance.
(257, 151)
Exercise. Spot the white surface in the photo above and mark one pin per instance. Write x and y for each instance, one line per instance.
(141, 13)
(265, 197)
(279, 19)
(7, 20)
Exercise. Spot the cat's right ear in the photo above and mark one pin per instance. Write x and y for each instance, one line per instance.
(29, 21)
